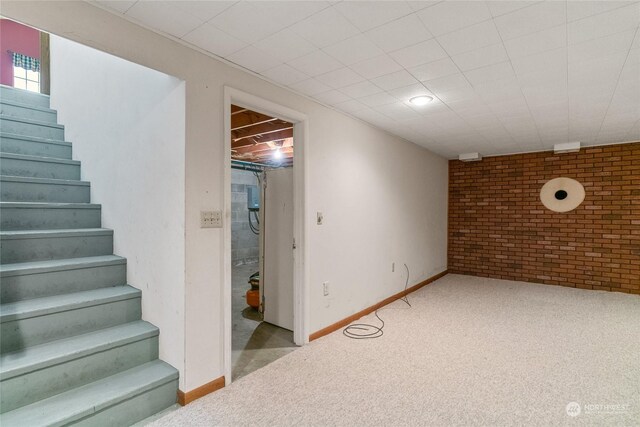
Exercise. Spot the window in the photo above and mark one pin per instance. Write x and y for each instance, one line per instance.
(26, 79)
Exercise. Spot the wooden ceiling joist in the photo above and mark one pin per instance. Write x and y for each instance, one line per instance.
(255, 136)
(248, 118)
(262, 138)
(235, 109)
(261, 149)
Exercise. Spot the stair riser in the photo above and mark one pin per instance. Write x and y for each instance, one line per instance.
(24, 112)
(24, 97)
(29, 388)
(12, 191)
(34, 148)
(14, 218)
(31, 129)
(29, 286)
(20, 333)
(38, 249)
(133, 410)
(36, 169)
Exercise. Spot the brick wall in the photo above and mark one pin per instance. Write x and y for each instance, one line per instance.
(498, 227)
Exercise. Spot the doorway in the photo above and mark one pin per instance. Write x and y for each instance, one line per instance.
(264, 236)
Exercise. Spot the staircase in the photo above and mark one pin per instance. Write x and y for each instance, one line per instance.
(73, 347)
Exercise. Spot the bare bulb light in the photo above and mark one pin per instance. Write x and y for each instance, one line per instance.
(421, 100)
(277, 154)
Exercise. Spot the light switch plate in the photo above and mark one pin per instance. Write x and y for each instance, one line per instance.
(210, 219)
(320, 218)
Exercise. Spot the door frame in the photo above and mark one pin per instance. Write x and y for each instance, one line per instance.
(300, 224)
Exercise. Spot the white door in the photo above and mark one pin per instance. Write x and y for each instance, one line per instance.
(277, 230)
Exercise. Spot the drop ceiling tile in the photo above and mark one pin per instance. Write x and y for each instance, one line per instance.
(481, 57)
(499, 92)
(603, 46)
(583, 9)
(285, 74)
(213, 40)
(164, 17)
(254, 59)
(397, 111)
(596, 76)
(340, 78)
(604, 24)
(247, 21)
(499, 71)
(636, 41)
(325, 28)
(405, 93)
(377, 99)
(470, 38)
(285, 45)
(354, 49)
(400, 33)
(204, 10)
(361, 89)
(366, 16)
(315, 63)
(434, 107)
(422, 4)
(453, 15)
(451, 88)
(542, 41)
(433, 70)
(290, 11)
(531, 19)
(418, 54)
(554, 60)
(117, 5)
(350, 106)
(310, 87)
(331, 97)
(376, 67)
(371, 116)
(394, 80)
(502, 7)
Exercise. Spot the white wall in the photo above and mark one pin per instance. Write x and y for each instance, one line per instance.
(384, 199)
(127, 126)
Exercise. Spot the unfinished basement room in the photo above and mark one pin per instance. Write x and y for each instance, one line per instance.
(319, 213)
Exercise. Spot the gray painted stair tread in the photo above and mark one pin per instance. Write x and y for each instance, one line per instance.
(44, 180)
(73, 405)
(49, 205)
(58, 303)
(58, 265)
(30, 158)
(34, 234)
(23, 105)
(31, 121)
(56, 352)
(34, 138)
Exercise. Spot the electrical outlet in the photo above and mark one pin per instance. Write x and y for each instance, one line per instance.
(320, 218)
(325, 288)
(210, 219)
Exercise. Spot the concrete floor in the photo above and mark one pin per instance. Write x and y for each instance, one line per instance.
(254, 343)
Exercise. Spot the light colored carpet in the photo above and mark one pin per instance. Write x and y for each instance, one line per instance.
(471, 351)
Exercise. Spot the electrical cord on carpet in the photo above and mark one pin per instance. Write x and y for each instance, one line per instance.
(363, 331)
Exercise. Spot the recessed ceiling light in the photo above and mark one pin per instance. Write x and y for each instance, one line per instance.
(421, 100)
